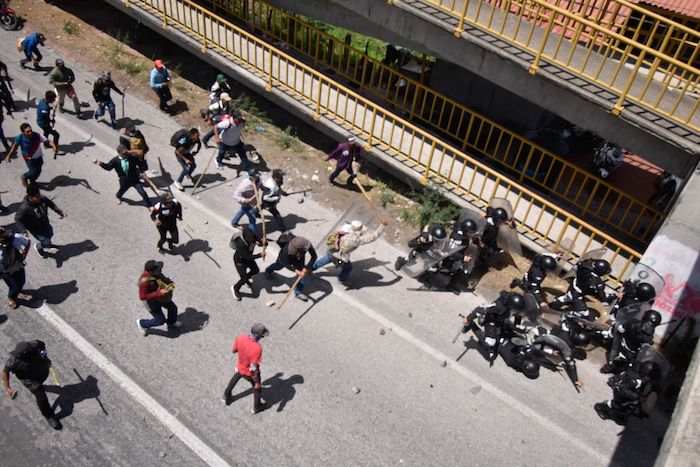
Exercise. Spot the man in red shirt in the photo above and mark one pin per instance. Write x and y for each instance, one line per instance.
(249, 357)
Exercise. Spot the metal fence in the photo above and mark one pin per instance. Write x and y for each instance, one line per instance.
(436, 161)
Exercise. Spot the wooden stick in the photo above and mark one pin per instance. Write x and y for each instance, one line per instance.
(55, 377)
(123, 96)
(262, 217)
(362, 189)
(150, 182)
(294, 286)
(199, 180)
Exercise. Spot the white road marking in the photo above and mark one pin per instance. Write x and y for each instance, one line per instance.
(527, 412)
(187, 437)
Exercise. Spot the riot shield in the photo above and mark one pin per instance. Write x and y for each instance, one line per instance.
(507, 235)
(647, 353)
(644, 273)
(357, 211)
(424, 261)
(597, 253)
(557, 344)
(632, 311)
(532, 308)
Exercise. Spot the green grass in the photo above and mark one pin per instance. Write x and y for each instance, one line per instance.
(288, 140)
(71, 28)
(428, 207)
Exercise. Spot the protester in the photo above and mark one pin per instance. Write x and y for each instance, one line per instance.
(30, 143)
(135, 143)
(214, 113)
(219, 87)
(187, 145)
(129, 169)
(292, 257)
(160, 83)
(30, 46)
(345, 154)
(101, 92)
(272, 192)
(13, 251)
(62, 79)
(243, 258)
(165, 214)
(249, 351)
(227, 134)
(247, 195)
(156, 291)
(45, 119)
(33, 216)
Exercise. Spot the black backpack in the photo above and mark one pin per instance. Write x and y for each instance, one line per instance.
(177, 136)
(284, 238)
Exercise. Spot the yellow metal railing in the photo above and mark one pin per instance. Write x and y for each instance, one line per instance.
(537, 218)
(587, 195)
(609, 53)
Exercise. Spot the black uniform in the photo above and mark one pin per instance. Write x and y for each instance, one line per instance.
(168, 216)
(243, 258)
(532, 280)
(30, 364)
(586, 282)
(488, 240)
(629, 390)
(492, 318)
(628, 338)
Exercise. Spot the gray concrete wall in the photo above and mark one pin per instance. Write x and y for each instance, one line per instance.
(495, 65)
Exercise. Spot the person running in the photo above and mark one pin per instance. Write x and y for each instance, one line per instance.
(62, 79)
(249, 351)
(227, 134)
(101, 92)
(156, 291)
(135, 143)
(247, 195)
(30, 143)
(187, 145)
(33, 216)
(31, 365)
(30, 47)
(13, 251)
(345, 154)
(292, 257)
(165, 214)
(129, 170)
(244, 259)
(272, 193)
(45, 119)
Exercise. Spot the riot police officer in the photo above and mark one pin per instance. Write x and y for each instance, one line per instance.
(628, 338)
(633, 292)
(630, 389)
(533, 278)
(422, 243)
(488, 241)
(462, 261)
(588, 281)
(492, 319)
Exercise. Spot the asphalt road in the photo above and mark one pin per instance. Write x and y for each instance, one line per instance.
(421, 399)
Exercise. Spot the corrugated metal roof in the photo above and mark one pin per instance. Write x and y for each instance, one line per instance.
(685, 7)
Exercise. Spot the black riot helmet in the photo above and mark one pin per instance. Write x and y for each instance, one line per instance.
(467, 226)
(547, 263)
(652, 317)
(649, 369)
(601, 267)
(645, 292)
(530, 368)
(499, 215)
(438, 232)
(581, 339)
(515, 302)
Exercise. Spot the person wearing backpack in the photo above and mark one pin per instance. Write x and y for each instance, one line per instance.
(343, 242)
(243, 242)
(31, 365)
(165, 214)
(187, 144)
(30, 143)
(32, 216)
(156, 291)
(129, 170)
(13, 251)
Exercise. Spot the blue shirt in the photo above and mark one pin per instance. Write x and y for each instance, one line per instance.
(158, 77)
(30, 44)
(43, 113)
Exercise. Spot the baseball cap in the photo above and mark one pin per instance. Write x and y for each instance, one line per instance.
(151, 265)
(221, 78)
(158, 63)
(356, 225)
(259, 329)
(225, 96)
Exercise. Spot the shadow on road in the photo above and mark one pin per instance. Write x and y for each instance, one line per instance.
(191, 320)
(51, 294)
(71, 394)
(71, 250)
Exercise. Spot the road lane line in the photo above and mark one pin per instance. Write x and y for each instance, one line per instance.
(187, 437)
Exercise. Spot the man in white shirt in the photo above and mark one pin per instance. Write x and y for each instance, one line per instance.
(246, 194)
(227, 134)
(272, 192)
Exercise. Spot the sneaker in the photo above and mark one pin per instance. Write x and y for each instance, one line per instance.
(161, 250)
(143, 330)
(258, 409)
(119, 201)
(601, 409)
(94, 114)
(400, 261)
(54, 423)
(179, 186)
(60, 153)
(302, 297)
(39, 250)
(607, 368)
(175, 325)
(219, 165)
(52, 250)
(236, 293)
(226, 400)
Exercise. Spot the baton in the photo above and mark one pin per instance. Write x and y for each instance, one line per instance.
(294, 286)
(123, 96)
(199, 180)
(262, 218)
(300, 191)
(55, 377)
(150, 182)
(369, 200)
(460, 330)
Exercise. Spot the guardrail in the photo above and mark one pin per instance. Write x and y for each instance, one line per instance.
(583, 193)
(659, 78)
(536, 217)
